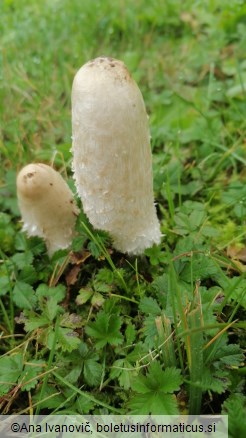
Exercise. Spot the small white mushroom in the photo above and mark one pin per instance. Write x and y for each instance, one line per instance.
(47, 206)
(112, 156)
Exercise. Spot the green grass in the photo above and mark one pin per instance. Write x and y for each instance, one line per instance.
(87, 331)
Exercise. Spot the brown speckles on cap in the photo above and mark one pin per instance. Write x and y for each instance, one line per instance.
(30, 175)
(115, 67)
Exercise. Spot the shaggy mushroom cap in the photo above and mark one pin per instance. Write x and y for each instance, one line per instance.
(112, 156)
(47, 206)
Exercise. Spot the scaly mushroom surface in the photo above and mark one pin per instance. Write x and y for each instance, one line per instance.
(112, 160)
(47, 206)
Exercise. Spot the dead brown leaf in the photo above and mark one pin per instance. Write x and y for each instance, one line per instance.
(72, 275)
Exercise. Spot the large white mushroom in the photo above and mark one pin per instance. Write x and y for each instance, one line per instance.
(47, 206)
(112, 156)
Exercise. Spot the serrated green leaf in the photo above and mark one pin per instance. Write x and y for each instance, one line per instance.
(155, 404)
(83, 350)
(22, 260)
(52, 308)
(130, 333)
(230, 355)
(182, 222)
(237, 290)
(156, 255)
(150, 331)
(84, 405)
(235, 407)
(92, 372)
(168, 380)
(197, 217)
(29, 376)
(105, 275)
(97, 299)
(20, 242)
(137, 353)
(84, 296)
(202, 267)
(5, 219)
(94, 249)
(106, 330)
(34, 322)
(67, 339)
(152, 391)
(5, 285)
(23, 295)
(160, 287)
(71, 320)
(235, 197)
(189, 217)
(161, 283)
(47, 337)
(100, 286)
(116, 368)
(74, 374)
(149, 306)
(123, 370)
(28, 275)
(58, 292)
(52, 398)
(10, 370)
(209, 231)
(216, 381)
